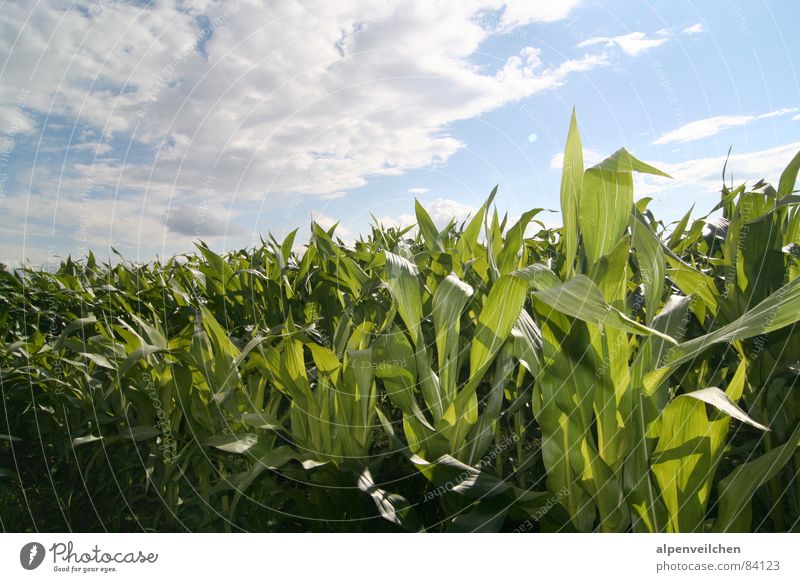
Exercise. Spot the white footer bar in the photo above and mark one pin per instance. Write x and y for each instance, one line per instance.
(401, 557)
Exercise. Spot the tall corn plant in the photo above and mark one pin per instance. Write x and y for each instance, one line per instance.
(656, 449)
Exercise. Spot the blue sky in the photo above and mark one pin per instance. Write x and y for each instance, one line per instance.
(147, 125)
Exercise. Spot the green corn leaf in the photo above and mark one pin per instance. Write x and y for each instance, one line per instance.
(599, 480)
(648, 513)
(394, 364)
(262, 421)
(141, 433)
(483, 432)
(680, 228)
(449, 300)
(652, 265)
(450, 474)
(139, 354)
(402, 281)
(571, 182)
(689, 449)
(469, 237)
(499, 314)
(693, 282)
(72, 328)
(789, 177)
(99, 359)
(326, 361)
(219, 267)
(238, 443)
(562, 405)
(392, 507)
(682, 462)
(273, 460)
(607, 200)
(288, 244)
(605, 207)
(780, 309)
(359, 373)
(487, 517)
(581, 298)
(527, 343)
(623, 161)
(508, 257)
(737, 489)
(89, 438)
(611, 273)
(427, 228)
(717, 398)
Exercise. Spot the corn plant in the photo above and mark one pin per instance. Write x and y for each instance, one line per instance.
(614, 374)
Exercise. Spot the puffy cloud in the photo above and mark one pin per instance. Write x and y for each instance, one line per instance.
(704, 174)
(524, 12)
(272, 96)
(633, 44)
(694, 29)
(199, 222)
(441, 211)
(711, 126)
(399, 221)
(327, 222)
(149, 101)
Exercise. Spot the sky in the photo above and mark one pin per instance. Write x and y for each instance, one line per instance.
(146, 126)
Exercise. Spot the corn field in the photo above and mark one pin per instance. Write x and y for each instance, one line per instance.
(615, 374)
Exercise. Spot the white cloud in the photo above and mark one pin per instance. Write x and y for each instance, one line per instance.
(694, 29)
(332, 195)
(310, 98)
(93, 147)
(285, 99)
(704, 174)
(711, 126)
(777, 113)
(327, 222)
(796, 118)
(417, 190)
(399, 221)
(441, 211)
(590, 158)
(633, 44)
(523, 12)
(535, 225)
(85, 224)
(200, 223)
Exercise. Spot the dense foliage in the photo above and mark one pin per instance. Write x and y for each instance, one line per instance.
(614, 374)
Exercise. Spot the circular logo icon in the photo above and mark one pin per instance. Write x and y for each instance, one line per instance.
(31, 555)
